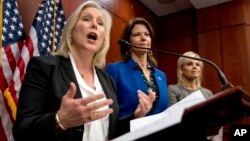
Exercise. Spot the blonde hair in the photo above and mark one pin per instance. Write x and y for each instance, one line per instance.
(99, 59)
(182, 61)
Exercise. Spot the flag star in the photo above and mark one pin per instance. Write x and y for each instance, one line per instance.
(7, 13)
(59, 19)
(44, 37)
(19, 33)
(11, 35)
(14, 19)
(46, 29)
(40, 12)
(43, 44)
(47, 22)
(4, 29)
(3, 38)
(50, 9)
(12, 27)
(5, 21)
(39, 18)
(61, 12)
(21, 25)
(16, 11)
(49, 15)
(8, 5)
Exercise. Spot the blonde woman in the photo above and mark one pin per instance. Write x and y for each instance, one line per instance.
(189, 74)
(66, 96)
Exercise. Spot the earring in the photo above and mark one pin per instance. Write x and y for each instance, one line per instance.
(127, 53)
(150, 52)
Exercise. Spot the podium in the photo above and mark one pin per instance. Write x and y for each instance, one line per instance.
(204, 119)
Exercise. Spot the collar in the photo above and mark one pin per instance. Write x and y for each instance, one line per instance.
(131, 62)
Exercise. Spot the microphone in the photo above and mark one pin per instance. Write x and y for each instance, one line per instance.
(221, 75)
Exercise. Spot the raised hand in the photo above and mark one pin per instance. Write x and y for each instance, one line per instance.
(145, 103)
(76, 112)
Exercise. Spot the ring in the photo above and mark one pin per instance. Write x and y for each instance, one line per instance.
(93, 116)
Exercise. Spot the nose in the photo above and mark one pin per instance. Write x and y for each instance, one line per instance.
(143, 37)
(94, 24)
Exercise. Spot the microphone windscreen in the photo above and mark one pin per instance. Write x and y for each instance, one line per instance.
(123, 43)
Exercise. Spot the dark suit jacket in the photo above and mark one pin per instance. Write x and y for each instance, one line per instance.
(46, 81)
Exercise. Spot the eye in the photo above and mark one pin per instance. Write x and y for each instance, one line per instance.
(136, 34)
(100, 22)
(147, 34)
(189, 64)
(197, 64)
(86, 18)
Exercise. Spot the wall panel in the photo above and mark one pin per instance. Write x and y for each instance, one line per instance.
(232, 13)
(207, 19)
(236, 55)
(168, 63)
(209, 48)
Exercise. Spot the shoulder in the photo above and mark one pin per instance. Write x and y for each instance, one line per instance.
(115, 65)
(46, 62)
(159, 72)
(49, 59)
(206, 91)
(173, 87)
(114, 68)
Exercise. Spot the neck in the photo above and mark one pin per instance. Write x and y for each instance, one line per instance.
(141, 61)
(83, 64)
(191, 85)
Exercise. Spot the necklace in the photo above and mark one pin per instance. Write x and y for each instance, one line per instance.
(83, 74)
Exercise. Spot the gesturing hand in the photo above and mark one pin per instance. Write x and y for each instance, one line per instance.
(76, 112)
(145, 103)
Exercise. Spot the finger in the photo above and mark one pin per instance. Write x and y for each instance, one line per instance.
(143, 106)
(145, 101)
(152, 95)
(72, 90)
(142, 95)
(96, 105)
(87, 100)
(100, 114)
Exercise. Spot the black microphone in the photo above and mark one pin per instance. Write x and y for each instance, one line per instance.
(222, 77)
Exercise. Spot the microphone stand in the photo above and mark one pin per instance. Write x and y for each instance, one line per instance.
(222, 77)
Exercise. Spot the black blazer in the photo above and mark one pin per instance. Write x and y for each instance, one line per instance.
(46, 81)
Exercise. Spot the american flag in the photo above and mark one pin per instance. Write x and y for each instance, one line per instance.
(44, 37)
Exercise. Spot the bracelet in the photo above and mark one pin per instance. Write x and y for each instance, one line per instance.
(59, 123)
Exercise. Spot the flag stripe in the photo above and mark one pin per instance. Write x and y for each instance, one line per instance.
(10, 57)
(18, 49)
(2, 136)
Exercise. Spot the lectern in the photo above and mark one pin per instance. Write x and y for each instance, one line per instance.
(199, 121)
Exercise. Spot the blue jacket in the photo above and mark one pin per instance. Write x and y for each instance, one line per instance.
(129, 80)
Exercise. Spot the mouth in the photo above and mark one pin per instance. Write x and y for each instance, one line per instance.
(143, 45)
(92, 36)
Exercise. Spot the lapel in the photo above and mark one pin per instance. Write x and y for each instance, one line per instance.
(68, 74)
(136, 75)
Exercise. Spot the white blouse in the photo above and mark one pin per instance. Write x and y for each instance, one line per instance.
(95, 130)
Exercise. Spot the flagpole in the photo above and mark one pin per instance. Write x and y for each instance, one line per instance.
(1, 32)
(54, 28)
